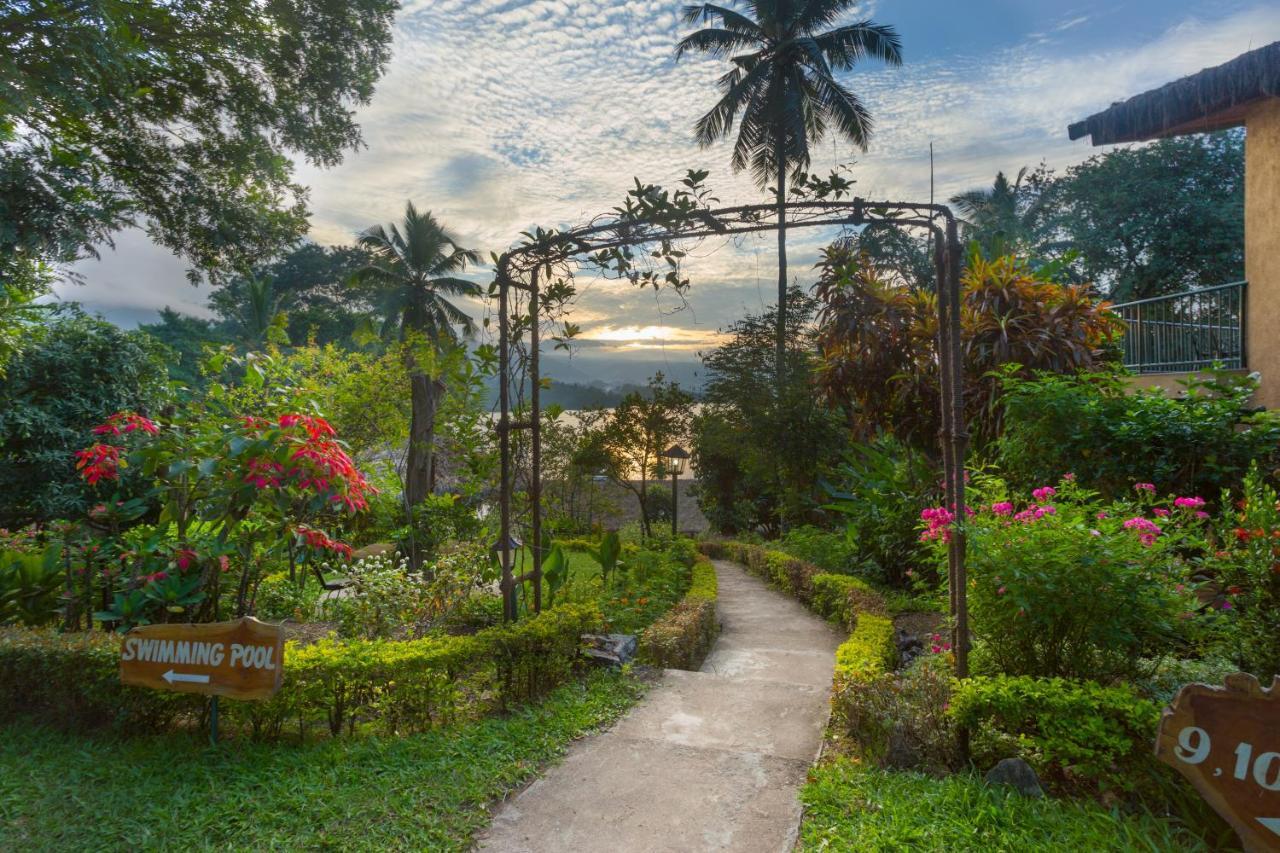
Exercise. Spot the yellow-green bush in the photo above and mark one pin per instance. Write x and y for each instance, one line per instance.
(73, 680)
(681, 639)
(842, 597)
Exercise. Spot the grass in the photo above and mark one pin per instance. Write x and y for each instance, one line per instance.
(850, 807)
(639, 593)
(61, 791)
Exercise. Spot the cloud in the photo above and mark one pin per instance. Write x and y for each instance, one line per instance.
(499, 115)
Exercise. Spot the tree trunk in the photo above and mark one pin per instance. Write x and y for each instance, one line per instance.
(644, 504)
(424, 401)
(780, 354)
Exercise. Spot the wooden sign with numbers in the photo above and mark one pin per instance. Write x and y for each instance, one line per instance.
(1226, 741)
(243, 659)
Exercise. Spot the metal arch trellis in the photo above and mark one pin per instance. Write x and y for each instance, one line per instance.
(518, 273)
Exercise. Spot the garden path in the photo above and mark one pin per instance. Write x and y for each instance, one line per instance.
(709, 760)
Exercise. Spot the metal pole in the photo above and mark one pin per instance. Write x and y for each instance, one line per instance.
(535, 461)
(504, 448)
(675, 501)
(959, 441)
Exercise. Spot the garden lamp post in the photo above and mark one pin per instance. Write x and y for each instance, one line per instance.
(676, 457)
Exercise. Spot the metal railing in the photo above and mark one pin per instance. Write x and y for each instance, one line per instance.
(1186, 331)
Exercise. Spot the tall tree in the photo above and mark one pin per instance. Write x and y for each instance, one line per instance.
(411, 274)
(639, 429)
(177, 114)
(1155, 219)
(1002, 219)
(758, 466)
(783, 82)
(80, 370)
(310, 283)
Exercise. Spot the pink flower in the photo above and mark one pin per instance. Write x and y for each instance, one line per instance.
(1162, 512)
(1147, 539)
(1069, 477)
(1101, 516)
(1095, 532)
(1201, 514)
(1001, 591)
(1144, 525)
(1044, 492)
(1002, 507)
(1188, 503)
(1144, 487)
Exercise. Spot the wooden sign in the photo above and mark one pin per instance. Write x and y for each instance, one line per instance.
(1226, 742)
(243, 659)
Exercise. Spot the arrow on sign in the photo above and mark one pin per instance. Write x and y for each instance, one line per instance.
(1271, 823)
(172, 676)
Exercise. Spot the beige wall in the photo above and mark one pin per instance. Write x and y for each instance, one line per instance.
(1262, 245)
(1170, 382)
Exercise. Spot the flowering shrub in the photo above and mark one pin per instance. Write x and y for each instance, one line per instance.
(1247, 566)
(1064, 585)
(226, 487)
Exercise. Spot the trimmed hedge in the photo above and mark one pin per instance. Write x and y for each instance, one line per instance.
(682, 638)
(841, 598)
(1078, 735)
(73, 680)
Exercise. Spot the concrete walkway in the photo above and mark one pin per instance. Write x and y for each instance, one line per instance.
(709, 760)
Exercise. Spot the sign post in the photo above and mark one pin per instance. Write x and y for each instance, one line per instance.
(242, 659)
(1226, 742)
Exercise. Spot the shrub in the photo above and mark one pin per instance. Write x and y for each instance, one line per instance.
(1249, 567)
(878, 491)
(682, 638)
(1067, 586)
(868, 652)
(841, 598)
(383, 599)
(879, 341)
(864, 664)
(899, 719)
(1078, 735)
(1114, 436)
(73, 680)
(31, 584)
(832, 552)
(279, 597)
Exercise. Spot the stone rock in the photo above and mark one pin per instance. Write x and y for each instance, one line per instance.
(910, 646)
(1018, 773)
(377, 549)
(610, 649)
(902, 751)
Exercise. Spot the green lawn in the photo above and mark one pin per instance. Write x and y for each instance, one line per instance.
(423, 792)
(848, 807)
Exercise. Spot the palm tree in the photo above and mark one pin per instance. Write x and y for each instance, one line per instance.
(411, 275)
(783, 83)
(995, 217)
(260, 318)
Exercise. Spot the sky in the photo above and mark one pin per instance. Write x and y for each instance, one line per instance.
(500, 115)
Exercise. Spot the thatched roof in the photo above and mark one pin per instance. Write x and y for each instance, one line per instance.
(1212, 99)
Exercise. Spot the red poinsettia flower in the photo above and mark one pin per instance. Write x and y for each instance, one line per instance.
(98, 462)
(126, 422)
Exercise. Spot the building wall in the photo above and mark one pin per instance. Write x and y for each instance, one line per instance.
(1170, 382)
(1262, 245)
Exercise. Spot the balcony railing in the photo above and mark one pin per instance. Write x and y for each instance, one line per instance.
(1186, 331)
